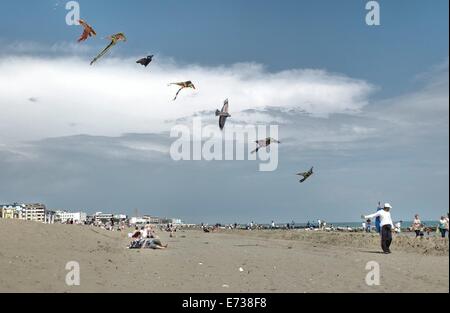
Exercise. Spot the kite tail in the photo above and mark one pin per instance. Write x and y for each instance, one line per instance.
(103, 52)
(176, 96)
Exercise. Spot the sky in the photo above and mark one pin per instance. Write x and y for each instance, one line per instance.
(367, 106)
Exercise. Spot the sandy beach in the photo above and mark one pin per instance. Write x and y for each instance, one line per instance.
(33, 257)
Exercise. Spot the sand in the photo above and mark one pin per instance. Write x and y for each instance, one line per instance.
(33, 257)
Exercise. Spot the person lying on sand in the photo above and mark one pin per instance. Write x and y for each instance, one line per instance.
(154, 244)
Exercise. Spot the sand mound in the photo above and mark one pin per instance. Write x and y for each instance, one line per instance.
(427, 246)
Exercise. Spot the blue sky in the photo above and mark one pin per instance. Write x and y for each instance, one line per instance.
(376, 100)
(321, 34)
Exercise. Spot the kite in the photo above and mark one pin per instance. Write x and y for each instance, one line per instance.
(306, 175)
(145, 61)
(114, 40)
(264, 143)
(184, 85)
(223, 115)
(88, 31)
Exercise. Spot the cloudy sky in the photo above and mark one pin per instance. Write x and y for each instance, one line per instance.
(367, 106)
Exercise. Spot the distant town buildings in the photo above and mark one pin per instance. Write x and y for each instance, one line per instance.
(39, 213)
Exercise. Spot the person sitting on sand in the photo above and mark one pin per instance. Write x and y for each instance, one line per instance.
(137, 239)
(137, 234)
(386, 227)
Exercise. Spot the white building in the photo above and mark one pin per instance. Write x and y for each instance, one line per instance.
(77, 217)
(50, 217)
(177, 221)
(103, 217)
(34, 212)
(138, 221)
(120, 217)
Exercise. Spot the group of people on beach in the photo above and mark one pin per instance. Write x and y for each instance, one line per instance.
(420, 228)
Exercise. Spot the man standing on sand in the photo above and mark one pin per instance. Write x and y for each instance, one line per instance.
(386, 226)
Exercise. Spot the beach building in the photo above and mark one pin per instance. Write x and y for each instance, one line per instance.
(138, 221)
(34, 212)
(176, 221)
(146, 219)
(11, 211)
(153, 219)
(28, 212)
(103, 217)
(120, 217)
(76, 217)
(58, 214)
(173, 221)
(50, 217)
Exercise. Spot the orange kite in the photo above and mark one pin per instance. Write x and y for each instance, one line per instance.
(88, 31)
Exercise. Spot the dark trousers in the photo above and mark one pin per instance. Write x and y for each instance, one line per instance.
(386, 238)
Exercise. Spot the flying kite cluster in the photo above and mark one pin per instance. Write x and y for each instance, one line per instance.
(88, 31)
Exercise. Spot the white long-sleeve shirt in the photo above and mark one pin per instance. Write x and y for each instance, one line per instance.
(385, 218)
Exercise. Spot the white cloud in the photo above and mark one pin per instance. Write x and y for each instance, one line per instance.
(424, 112)
(34, 48)
(118, 96)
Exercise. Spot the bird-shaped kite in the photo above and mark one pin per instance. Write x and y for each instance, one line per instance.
(264, 143)
(88, 31)
(145, 61)
(306, 175)
(182, 86)
(223, 115)
(114, 40)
